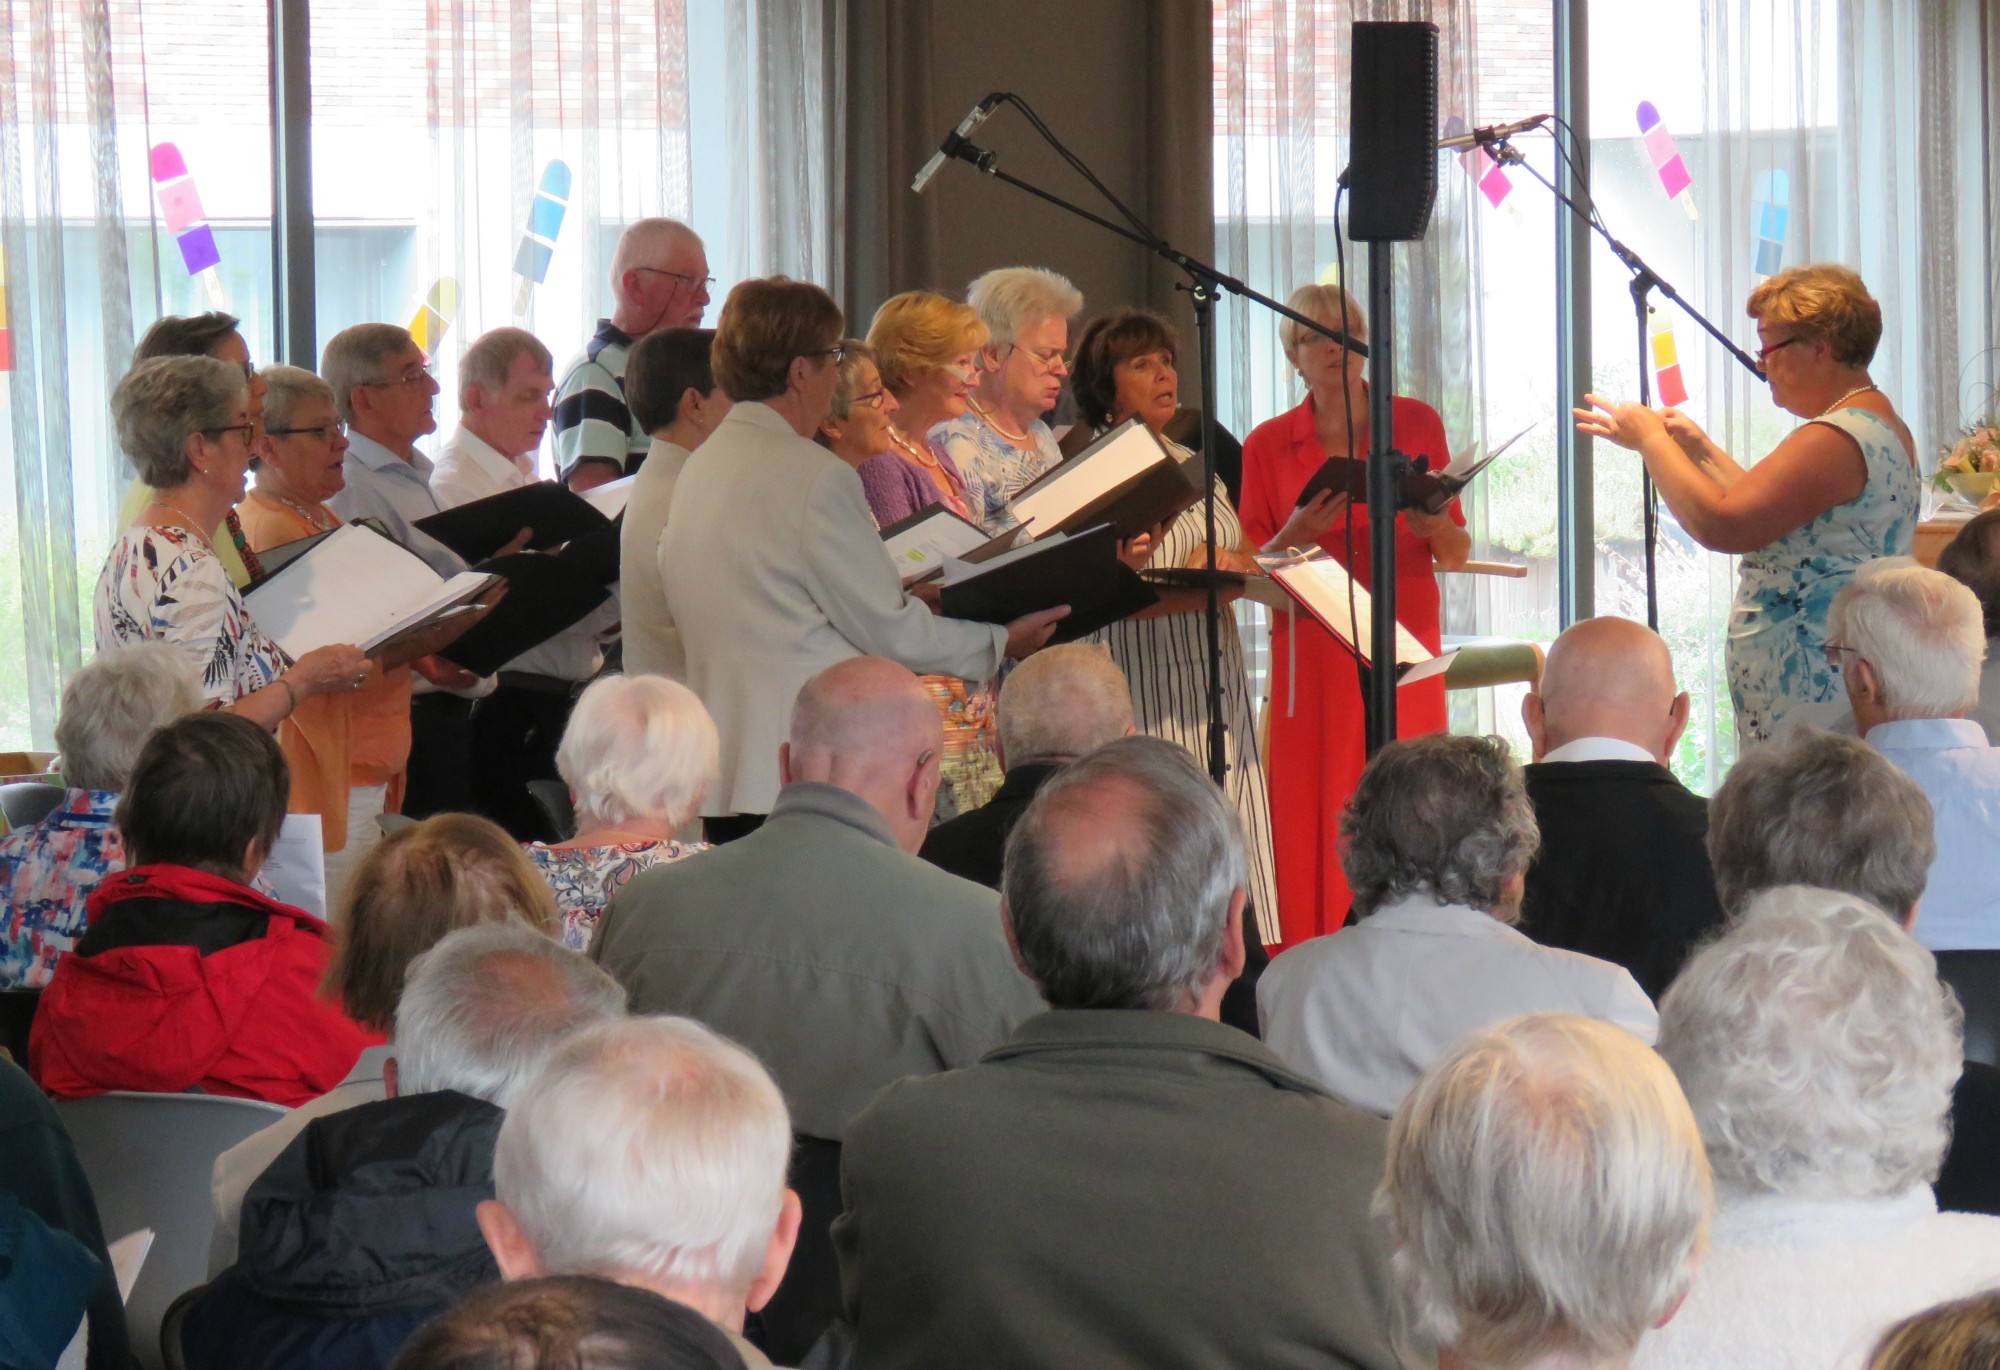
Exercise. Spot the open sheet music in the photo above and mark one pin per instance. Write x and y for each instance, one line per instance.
(1321, 586)
(1126, 478)
(357, 587)
(929, 541)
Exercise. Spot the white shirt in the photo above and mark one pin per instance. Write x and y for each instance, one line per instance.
(468, 467)
(1368, 1009)
(1600, 749)
(1959, 772)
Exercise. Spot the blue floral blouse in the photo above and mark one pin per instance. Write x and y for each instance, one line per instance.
(585, 878)
(46, 873)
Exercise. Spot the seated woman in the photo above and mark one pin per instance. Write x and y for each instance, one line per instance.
(1961, 1335)
(109, 709)
(638, 756)
(412, 888)
(185, 423)
(1841, 491)
(186, 978)
(927, 349)
(1436, 842)
(1818, 1051)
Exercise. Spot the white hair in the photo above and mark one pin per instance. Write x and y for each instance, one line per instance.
(651, 1147)
(1062, 702)
(482, 1010)
(1817, 1047)
(1546, 1193)
(638, 746)
(1922, 631)
(642, 244)
(1010, 298)
(112, 705)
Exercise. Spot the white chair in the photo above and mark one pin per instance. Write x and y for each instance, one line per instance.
(148, 1158)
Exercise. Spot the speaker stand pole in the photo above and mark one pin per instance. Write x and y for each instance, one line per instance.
(1384, 487)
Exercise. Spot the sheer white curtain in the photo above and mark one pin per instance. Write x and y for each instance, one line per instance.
(787, 71)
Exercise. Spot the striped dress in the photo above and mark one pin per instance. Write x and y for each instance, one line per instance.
(1166, 661)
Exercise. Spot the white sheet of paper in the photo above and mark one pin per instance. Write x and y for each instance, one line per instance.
(296, 867)
(1322, 585)
(1051, 501)
(356, 587)
(931, 542)
(128, 1255)
(610, 498)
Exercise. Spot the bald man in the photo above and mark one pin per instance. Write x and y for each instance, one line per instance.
(1623, 871)
(659, 280)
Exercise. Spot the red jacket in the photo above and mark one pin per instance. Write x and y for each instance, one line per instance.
(185, 980)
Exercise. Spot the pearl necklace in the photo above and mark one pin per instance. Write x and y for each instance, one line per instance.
(1857, 390)
(917, 453)
(992, 421)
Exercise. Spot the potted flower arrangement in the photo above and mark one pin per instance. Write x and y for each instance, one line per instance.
(1971, 469)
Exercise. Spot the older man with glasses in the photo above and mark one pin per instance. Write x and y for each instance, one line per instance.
(659, 280)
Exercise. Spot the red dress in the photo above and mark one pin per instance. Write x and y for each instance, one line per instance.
(1318, 746)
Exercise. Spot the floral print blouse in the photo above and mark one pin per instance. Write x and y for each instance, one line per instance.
(585, 878)
(165, 585)
(47, 871)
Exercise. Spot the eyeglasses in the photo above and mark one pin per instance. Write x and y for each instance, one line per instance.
(1764, 353)
(838, 352)
(415, 376)
(326, 432)
(872, 400)
(698, 282)
(248, 430)
(249, 371)
(1045, 361)
(1832, 651)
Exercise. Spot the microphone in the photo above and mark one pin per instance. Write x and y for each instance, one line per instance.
(955, 140)
(1493, 133)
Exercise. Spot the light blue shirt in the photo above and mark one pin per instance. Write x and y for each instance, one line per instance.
(382, 485)
(1959, 772)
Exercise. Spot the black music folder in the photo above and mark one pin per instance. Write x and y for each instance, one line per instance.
(477, 530)
(1422, 488)
(921, 545)
(1082, 571)
(1127, 478)
(545, 594)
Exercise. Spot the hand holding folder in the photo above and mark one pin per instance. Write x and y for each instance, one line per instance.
(1082, 572)
(549, 513)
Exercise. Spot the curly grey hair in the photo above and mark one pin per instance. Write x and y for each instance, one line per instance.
(160, 404)
(1439, 815)
(112, 705)
(1817, 1047)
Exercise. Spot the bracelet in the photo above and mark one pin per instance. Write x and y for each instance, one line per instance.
(290, 693)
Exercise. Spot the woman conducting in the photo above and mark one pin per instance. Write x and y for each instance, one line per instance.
(1317, 745)
(1841, 491)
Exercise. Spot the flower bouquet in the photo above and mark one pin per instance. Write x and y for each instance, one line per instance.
(1971, 469)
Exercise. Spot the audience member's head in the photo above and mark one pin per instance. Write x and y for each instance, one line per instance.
(1443, 818)
(567, 1322)
(1817, 1048)
(1124, 883)
(208, 791)
(777, 336)
(868, 726)
(1125, 366)
(652, 1152)
(112, 705)
(1607, 677)
(1973, 560)
(504, 382)
(659, 277)
(1062, 702)
(482, 1010)
(1961, 1335)
(1909, 643)
(1822, 303)
(1027, 310)
(382, 384)
(670, 384)
(1547, 1195)
(448, 872)
(856, 427)
(1824, 810)
(166, 410)
(638, 749)
(927, 348)
(204, 335)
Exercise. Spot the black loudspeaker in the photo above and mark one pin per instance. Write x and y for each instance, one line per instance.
(1392, 166)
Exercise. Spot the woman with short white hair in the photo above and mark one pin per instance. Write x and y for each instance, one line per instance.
(1000, 443)
(1547, 1197)
(638, 756)
(1818, 1051)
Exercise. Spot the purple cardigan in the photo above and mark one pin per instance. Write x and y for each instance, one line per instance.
(895, 487)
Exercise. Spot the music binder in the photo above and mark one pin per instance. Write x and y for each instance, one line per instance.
(1082, 571)
(1127, 478)
(1430, 491)
(545, 595)
(482, 527)
(354, 586)
(924, 544)
(1321, 586)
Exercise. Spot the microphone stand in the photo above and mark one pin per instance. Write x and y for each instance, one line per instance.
(1205, 283)
(1645, 280)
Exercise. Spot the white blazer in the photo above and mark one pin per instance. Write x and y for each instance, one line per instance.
(652, 642)
(774, 571)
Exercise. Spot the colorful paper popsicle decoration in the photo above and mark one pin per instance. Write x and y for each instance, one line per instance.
(434, 315)
(1673, 172)
(1666, 362)
(6, 335)
(180, 207)
(538, 240)
(1772, 195)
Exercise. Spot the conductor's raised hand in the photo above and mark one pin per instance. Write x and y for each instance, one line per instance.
(1628, 425)
(1030, 633)
(1686, 432)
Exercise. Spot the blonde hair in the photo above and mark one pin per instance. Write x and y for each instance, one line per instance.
(451, 871)
(1826, 303)
(1961, 1335)
(920, 330)
(1321, 302)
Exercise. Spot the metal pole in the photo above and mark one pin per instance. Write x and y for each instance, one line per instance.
(1576, 502)
(292, 270)
(1383, 491)
(1203, 297)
